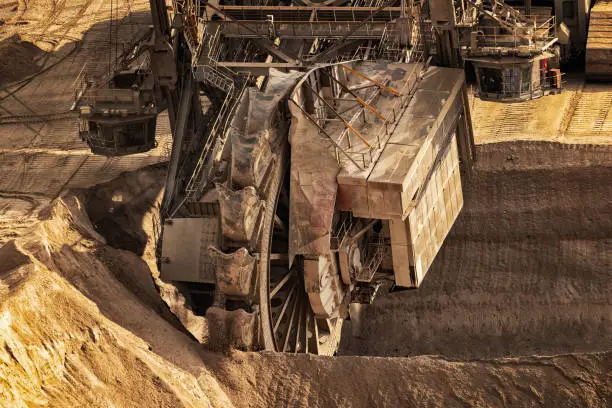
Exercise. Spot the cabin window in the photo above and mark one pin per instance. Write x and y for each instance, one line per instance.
(525, 78)
(512, 81)
(133, 134)
(491, 80)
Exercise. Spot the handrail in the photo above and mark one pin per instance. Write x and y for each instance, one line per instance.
(510, 43)
(218, 129)
(406, 95)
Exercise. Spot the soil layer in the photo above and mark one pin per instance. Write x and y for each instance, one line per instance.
(525, 270)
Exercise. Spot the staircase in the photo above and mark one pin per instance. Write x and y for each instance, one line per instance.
(206, 67)
(202, 172)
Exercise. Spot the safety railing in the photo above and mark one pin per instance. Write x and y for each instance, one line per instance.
(374, 256)
(342, 144)
(509, 44)
(81, 83)
(92, 86)
(197, 181)
(95, 75)
(554, 80)
(507, 16)
(340, 232)
(392, 115)
(302, 29)
(291, 14)
(542, 23)
(190, 9)
(205, 62)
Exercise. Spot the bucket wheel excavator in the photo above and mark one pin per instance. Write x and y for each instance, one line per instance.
(329, 159)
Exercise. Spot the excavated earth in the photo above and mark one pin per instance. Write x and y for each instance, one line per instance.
(515, 311)
(525, 270)
(83, 325)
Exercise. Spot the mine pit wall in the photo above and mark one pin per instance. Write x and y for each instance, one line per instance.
(281, 380)
(82, 323)
(525, 270)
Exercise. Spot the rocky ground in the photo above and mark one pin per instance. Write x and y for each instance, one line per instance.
(516, 310)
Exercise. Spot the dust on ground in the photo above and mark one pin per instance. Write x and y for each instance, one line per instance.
(82, 324)
(279, 380)
(527, 268)
(580, 114)
(17, 59)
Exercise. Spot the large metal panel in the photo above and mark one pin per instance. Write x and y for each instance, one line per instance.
(408, 157)
(435, 211)
(442, 12)
(402, 253)
(185, 253)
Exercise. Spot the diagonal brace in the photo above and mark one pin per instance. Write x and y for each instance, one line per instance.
(346, 124)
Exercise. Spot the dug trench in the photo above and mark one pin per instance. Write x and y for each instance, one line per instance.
(523, 273)
(526, 270)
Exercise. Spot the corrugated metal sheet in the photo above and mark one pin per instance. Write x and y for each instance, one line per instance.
(435, 211)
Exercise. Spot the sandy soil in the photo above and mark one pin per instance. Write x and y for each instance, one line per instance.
(580, 114)
(525, 270)
(41, 154)
(82, 325)
(125, 211)
(276, 380)
(16, 57)
(94, 316)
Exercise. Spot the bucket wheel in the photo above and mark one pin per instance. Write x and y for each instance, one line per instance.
(265, 301)
(287, 319)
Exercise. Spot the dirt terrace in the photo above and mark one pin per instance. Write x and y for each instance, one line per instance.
(77, 312)
(526, 269)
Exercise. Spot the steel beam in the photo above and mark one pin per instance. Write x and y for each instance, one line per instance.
(257, 68)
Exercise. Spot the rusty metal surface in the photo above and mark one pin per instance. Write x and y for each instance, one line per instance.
(233, 272)
(409, 156)
(239, 212)
(184, 249)
(316, 162)
(257, 128)
(435, 211)
(251, 151)
(323, 285)
(313, 190)
(231, 329)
